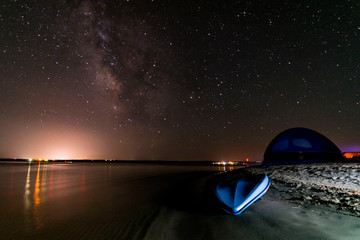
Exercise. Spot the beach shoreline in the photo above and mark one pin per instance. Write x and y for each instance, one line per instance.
(313, 201)
(332, 186)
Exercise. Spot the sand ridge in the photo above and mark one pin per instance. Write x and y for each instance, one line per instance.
(332, 185)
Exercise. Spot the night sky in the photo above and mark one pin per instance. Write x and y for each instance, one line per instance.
(175, 80)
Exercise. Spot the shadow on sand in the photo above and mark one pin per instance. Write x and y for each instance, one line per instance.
(194, 194)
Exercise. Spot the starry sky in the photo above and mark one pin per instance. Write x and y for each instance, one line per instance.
(175, 80)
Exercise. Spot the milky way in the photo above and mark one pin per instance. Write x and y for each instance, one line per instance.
(175, 79)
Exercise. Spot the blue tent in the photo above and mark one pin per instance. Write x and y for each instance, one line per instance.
(300, 145)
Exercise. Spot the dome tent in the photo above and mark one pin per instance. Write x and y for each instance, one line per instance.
(300, 145)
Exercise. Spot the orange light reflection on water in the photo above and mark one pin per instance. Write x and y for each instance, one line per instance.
(37, 188)
(27, 195)
(226, 168)
(34, 197)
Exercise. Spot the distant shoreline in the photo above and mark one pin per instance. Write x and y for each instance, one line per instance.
(157, 162)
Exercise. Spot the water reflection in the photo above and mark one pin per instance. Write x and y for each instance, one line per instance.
(226, 168)
(35, 197)
(27, 195)
(11, 183)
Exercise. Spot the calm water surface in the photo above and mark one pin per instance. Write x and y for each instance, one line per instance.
(86, 200)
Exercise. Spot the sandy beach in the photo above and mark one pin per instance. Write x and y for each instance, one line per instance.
(315, 201)
(335, 186)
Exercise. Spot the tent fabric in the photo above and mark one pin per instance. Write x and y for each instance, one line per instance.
(300, 145)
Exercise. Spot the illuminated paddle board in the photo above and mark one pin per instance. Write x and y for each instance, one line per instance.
(236, 195)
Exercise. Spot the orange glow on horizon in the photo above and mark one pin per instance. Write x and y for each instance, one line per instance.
(349, 155)
(61, 143)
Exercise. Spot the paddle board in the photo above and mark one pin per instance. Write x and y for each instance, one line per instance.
(236, 195)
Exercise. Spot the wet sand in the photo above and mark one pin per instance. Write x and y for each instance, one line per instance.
(267, 219)
(114, 201)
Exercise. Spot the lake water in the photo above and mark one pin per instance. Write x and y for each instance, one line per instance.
(119, 201)
(87, 200)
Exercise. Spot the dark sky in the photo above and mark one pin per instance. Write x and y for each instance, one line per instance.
(178, 80)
